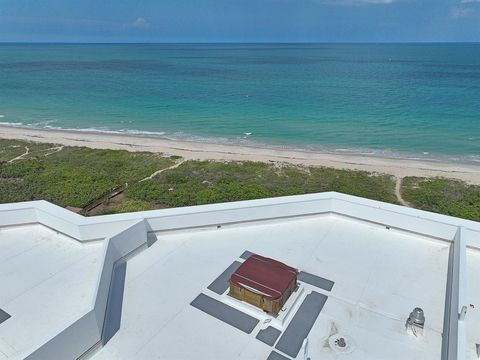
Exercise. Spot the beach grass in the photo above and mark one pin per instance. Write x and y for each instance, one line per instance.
(73, 176)
(206, 182)
(444, 196)
(78, 176)
(11, 149)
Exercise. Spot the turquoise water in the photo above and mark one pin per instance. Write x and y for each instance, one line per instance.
(410, 100)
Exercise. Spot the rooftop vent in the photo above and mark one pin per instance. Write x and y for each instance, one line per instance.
(415, 322)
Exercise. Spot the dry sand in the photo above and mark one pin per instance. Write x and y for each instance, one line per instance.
(201, 151)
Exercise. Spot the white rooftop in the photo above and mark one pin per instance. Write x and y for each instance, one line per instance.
(47, 282)
(141, 285)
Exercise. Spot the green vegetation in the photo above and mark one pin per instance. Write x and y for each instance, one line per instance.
(205, 182)
(10, 149)
(72, 176)
(128, 205)
(75, 176)
(445, 196)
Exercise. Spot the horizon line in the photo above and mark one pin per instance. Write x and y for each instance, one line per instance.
(230, 42)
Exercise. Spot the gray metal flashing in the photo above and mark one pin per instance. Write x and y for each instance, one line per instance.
(246, 254)
(4, 316)
(448, 302)
(220, 284)
(268, 335)
(225, 313)
(297, 331)
(316, 280)
(451, 321)
(113, 312)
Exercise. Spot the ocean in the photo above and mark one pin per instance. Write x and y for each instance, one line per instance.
(394, 100)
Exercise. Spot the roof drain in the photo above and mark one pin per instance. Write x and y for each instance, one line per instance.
(341, 344)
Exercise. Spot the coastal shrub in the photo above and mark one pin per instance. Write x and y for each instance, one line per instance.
(359, 183)
(193, 193)
(65, 185)
(15, 190)
(10, 149)
(148, 190)
(74, 176)
(204, 182)
(226, 192)
(120, 165)
(131, 206)
(21, 169)
(445, 196)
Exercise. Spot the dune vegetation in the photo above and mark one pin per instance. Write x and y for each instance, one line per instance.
(69, 176)
(444, 196)
(111, 181)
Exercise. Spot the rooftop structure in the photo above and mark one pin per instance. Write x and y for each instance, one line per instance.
(155, 284)
(263, 282)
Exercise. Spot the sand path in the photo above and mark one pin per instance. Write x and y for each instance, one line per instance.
(177, 164)
(19, 157)
(398, 187)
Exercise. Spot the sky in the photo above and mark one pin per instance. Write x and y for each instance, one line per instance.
(239, 20)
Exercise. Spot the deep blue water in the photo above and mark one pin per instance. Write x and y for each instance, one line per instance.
(389, 99)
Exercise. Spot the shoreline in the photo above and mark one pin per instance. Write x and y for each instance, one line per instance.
(191, 150)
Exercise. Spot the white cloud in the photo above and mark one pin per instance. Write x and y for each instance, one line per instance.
(460, 12)
(139, 23)
(465, 8)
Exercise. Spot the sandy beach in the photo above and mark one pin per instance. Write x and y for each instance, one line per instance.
(202, 151)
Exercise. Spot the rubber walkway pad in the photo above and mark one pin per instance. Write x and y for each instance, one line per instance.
(225, 313)
(3, 316)
(297, 331)
(276, 356)
(268, 335)
(220, 284)
(316, 281)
